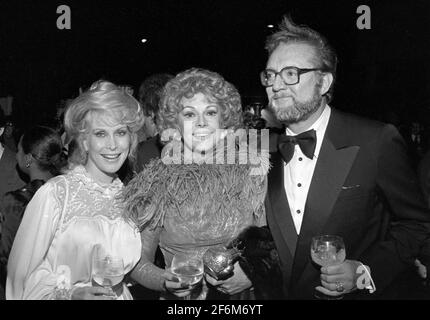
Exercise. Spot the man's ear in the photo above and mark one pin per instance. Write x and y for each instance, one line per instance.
(327, 80)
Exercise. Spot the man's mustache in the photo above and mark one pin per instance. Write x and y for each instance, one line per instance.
(282, 96)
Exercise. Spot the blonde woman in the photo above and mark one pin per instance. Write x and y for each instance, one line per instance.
(73, 215)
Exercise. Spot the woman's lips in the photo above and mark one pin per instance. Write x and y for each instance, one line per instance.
(201, 135)
(111, 156)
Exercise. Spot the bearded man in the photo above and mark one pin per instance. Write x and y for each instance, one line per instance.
(338, 174)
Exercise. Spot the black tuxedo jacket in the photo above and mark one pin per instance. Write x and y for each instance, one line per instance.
(363, 189)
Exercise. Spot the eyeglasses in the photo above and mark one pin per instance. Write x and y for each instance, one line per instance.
(290, 75)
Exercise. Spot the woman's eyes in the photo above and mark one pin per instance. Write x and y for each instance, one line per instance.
(101, 134)
(188, 114)
(210, 113)
(122, 132)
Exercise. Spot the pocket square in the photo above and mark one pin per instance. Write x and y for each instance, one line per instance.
(350, 187)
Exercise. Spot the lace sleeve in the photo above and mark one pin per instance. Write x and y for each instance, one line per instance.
(146, 272)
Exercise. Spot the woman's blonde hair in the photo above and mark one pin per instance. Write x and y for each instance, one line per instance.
(102, 99)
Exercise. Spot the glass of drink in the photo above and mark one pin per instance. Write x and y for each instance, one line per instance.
(327, 250)
(188, 268)
(108, 272)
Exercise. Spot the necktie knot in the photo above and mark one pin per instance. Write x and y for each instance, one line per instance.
(306, 141)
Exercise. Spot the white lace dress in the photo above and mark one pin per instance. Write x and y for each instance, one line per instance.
(53, 248)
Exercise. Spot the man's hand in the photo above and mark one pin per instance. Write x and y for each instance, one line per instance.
(235, 284)
(334, 278)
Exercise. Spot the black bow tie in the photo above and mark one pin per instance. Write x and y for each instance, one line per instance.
(306, 140)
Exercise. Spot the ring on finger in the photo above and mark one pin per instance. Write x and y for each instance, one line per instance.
(339, 286)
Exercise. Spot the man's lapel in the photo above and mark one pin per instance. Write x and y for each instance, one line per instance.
(333, 165)
(279, 203)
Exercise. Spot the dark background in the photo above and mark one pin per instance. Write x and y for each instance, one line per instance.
(380, 70)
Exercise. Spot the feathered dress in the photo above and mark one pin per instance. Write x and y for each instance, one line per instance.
(192, 207)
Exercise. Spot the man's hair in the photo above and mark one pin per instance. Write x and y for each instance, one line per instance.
(289, 32)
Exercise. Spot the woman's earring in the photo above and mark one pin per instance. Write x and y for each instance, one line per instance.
(27, 165)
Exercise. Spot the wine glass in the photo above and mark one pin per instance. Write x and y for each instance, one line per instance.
(188, 267)
(108, 272)
(327, 250)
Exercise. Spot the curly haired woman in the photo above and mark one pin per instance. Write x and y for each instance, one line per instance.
(200, 194)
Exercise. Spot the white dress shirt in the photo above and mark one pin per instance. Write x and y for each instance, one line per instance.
(299, 171)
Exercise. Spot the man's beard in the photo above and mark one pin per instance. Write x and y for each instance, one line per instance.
(298, 111)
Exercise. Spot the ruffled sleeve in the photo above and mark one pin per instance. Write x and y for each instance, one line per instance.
(30, 272)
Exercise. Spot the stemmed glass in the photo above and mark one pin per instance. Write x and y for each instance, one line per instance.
(107, 271)
(327, 250)
(188, 268)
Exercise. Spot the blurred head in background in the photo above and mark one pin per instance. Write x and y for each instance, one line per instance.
(149, 97)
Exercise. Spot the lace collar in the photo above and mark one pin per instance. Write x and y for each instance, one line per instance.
(80, 173)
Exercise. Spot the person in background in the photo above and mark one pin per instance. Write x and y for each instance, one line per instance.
(9, 133)
(417, 141)
(75, 215)
(9, 177)
(252, 117)
(271, 122)
(149, 97)
(39, 156)
(339, 174)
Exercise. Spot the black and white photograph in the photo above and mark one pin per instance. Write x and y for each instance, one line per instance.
(232, 152)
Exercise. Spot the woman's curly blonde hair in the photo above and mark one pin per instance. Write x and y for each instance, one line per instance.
(212, 85)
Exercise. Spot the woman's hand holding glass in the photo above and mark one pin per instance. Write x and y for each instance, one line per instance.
(107, 272)
(186, 273)
(93, 293)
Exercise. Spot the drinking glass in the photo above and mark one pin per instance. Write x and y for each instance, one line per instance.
(188, 268)
(327, 250)
(108, 272)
